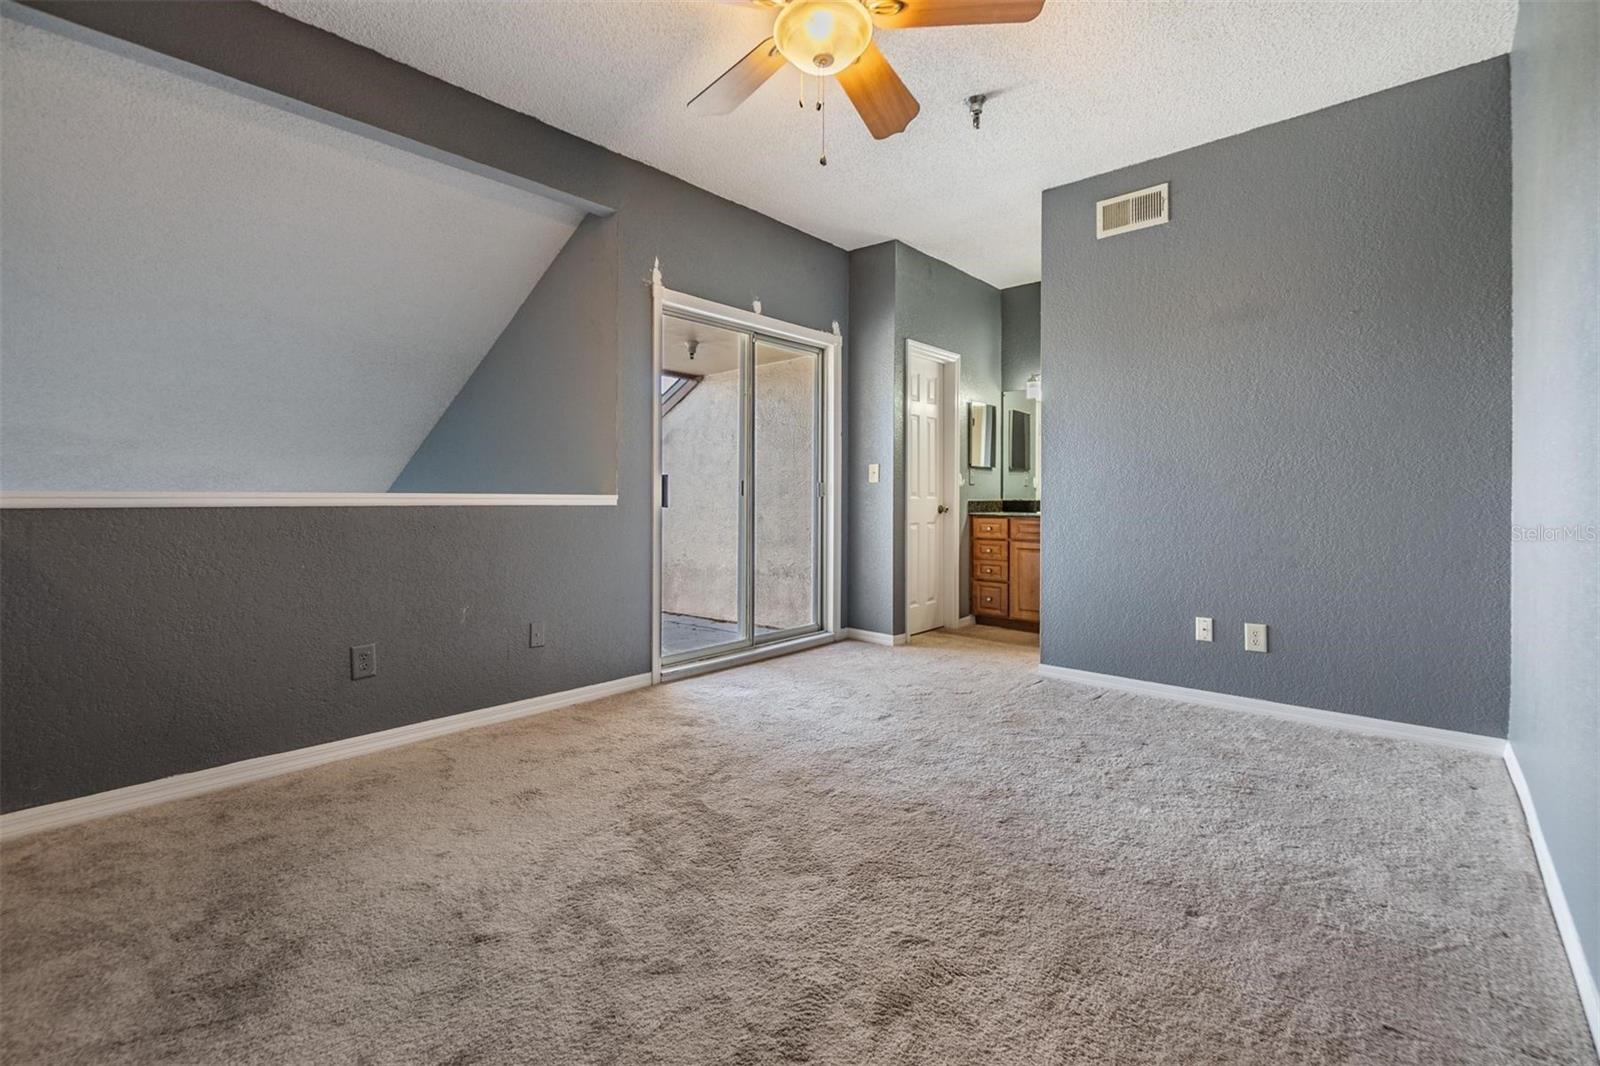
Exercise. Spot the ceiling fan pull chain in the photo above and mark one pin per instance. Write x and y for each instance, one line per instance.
(822, 90)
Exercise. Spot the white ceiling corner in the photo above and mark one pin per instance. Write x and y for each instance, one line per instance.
(1086, 88)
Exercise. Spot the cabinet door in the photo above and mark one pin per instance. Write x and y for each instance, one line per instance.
(1024, 581)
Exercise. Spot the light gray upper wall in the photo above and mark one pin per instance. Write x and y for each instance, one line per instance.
(1292, 405)
(143, 643)
(204, 292)
(537, 415)
(870, 509)
(898, 294)
(1555, 584)
(334, 79)
(1019, 335)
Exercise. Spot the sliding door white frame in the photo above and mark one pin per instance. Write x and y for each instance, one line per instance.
(663, 299)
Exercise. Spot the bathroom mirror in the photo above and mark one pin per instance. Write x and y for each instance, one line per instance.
(209, 298)
(1019, 427)
(980, 436)
(1019, 460)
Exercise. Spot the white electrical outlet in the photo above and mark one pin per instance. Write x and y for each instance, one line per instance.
(1255, 636)
(1202, 629)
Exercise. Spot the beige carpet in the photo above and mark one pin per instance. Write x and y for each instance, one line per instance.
(920, 855)
(998, 634)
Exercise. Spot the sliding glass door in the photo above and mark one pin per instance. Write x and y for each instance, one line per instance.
(741, 519)
(787, 590)
(705, 435)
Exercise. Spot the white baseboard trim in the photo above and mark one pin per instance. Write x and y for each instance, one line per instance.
(181, 786)
(870, 637)
(1588, 993)
(46, 500)
(1350, 723)
(963, 622)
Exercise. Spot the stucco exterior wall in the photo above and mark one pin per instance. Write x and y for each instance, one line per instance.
(700, 528)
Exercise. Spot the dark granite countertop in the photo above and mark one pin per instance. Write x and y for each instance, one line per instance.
(1009, 508)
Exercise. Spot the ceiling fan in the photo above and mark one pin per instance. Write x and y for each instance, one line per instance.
(833, 38)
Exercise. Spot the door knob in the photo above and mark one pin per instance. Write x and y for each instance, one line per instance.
(943, 508)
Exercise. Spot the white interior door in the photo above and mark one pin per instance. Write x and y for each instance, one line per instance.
(924, 494)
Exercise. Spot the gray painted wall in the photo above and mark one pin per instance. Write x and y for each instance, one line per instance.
(1292, 405)
(870, 385)
(537, 415)
(900, 294)
(1555, 584)
(142, 643)
(1019, 335)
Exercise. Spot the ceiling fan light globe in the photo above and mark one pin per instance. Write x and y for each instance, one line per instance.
(822, 36)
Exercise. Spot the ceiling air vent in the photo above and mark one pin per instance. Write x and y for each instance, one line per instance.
(1131, 211)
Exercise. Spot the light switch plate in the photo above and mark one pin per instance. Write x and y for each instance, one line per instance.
(1255, 636)
(1202, 629)
(535, 634)
(872, 473)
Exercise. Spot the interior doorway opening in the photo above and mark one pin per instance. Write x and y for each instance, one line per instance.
(933, 510)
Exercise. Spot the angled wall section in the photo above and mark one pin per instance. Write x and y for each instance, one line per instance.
(537, 415)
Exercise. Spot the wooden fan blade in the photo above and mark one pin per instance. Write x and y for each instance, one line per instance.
(885, 104)
(914, 13)
(739, 81)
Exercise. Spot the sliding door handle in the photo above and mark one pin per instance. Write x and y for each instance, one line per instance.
(663, 492)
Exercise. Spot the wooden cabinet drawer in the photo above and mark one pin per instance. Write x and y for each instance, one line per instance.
(989, 599)
(989, 549)
(989, 528)
(990, 570)
(1024, 529)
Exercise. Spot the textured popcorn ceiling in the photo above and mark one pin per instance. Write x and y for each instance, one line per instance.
(1085, 88)
(205, 293)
